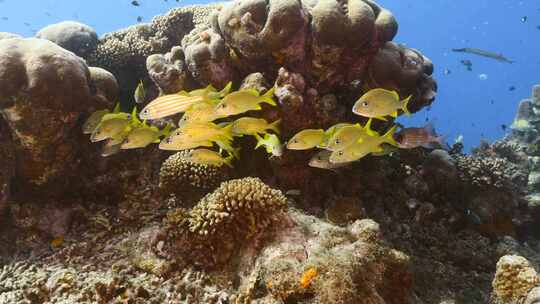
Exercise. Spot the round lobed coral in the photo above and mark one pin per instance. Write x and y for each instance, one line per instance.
(186, 179)
(514, 277)
(73, 36)
(488, 171)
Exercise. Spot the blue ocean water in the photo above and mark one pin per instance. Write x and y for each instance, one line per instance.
(476, 104)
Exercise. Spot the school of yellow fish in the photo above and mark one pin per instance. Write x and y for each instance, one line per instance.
(197, 128)
(206, 126)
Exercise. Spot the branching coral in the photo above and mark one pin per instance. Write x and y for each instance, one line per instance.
(210, 232)
(488, 171)
(242, 207)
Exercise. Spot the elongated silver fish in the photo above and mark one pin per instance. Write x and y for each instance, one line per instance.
(484, 53)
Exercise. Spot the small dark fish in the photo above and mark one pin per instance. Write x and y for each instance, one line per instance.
(524, 19)
(467, 63)
(538, 27)
(426, 137)
(492, 101)
(139, 19)
(26, 23)
(473, 217)
(447, 72)
(512, 88)
(5, 18)
(504, 127)
(488, 54)
(135, 3)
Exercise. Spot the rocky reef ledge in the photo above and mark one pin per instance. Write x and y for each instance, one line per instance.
(144, 226)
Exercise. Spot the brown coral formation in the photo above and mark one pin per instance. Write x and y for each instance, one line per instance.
(514, 278)
(188, 180)
(210, 232)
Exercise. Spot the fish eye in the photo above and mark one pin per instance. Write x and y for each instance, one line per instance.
(168, 140)
(146, 111)
(177, 133)
(222, 106)
(340, 153)
(364, 104)
(338, 141)
(295, 141)
(129, 116)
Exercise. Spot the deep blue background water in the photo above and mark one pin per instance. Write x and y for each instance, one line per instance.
(465, 105)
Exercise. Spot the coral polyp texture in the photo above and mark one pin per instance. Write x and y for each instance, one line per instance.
(187, 179)
(514, 278)
(222, 220)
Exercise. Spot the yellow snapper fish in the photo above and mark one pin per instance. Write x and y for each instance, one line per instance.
(321, 160)
(144, 135)
(140, 93)
(111, 146)
(111, 125)
(306, 139)
(200, 131)
(271, 143)
(242, 101)
(378, 103)
(349, 135)
(203, 111)
(369, 144)
(209, 93)
(93, 121)
(251, 126)
(209, 157)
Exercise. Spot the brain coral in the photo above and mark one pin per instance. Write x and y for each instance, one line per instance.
(186, 179)
(514, 278)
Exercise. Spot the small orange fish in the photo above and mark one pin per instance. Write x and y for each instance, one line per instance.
(57, 242)
(426, 137)
(307, 277)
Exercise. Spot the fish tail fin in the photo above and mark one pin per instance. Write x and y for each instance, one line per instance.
(388, 137)
(267, 97)
(228, 160)
(227, 131)
(368, 129)
(225, 90)
(405, 107)
(236, 152)
(260, 141)
(225, 145)
(430, 129)
(166, 131)
(275, 126)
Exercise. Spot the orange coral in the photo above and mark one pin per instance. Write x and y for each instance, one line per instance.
(307, 277)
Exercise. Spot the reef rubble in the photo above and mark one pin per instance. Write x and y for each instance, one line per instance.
(145, 226)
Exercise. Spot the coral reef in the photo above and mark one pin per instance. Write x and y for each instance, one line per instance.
(489, 171)
(188, 180)
(514, 278)
(125, 52)
(72, 36)
(142, 226)
(209, 233)
(45, 89)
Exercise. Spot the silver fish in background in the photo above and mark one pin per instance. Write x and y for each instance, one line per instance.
(483, 53)
(410, 138)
